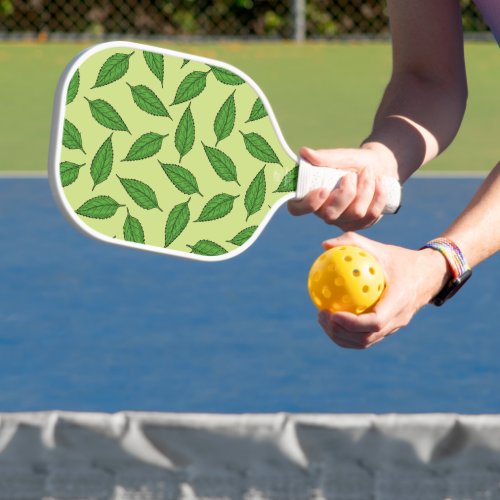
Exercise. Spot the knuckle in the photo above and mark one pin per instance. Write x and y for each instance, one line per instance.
(373, 213)
(329, 215)
(377, 325)
(358, 211)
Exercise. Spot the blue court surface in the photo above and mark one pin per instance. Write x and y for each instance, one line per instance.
(86, 326)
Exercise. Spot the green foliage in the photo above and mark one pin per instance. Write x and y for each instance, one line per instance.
(264, 18)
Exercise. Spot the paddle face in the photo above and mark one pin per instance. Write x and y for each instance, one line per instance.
(166, 152)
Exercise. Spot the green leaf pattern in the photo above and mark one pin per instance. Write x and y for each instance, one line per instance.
(113, 69)
(156, 64)
(102, 162)
(187, 149)
(141, 193)
(146, 146)
(217, 207)
(133, 230)
(177, 221)
(185, 133)
(73, 87)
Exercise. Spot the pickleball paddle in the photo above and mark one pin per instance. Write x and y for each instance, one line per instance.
(172, 153)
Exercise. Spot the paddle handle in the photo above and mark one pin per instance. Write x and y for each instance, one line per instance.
(312, 177)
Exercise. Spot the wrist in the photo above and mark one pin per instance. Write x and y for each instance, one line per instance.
(457, 265)
(388, 165)
(437, 272)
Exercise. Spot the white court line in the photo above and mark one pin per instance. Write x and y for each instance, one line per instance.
(454, 174)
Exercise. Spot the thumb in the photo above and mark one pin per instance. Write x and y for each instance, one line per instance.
(353, 159)
(349, 238)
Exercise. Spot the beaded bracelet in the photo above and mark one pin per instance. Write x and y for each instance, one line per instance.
(459, 267)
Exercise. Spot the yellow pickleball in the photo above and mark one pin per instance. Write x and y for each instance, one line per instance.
(346, 278)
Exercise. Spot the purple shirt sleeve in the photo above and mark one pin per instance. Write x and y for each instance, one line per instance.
(490, 9)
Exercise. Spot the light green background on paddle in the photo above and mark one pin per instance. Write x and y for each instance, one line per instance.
(204, 109)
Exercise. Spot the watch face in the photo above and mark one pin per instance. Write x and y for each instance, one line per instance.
(451, 288)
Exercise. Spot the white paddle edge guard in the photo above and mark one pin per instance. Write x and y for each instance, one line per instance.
(313, 177)
(56, 145)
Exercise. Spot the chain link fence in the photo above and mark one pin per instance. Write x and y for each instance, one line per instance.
(284, 19)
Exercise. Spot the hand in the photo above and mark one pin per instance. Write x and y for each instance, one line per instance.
(413, 278)
(358, 200)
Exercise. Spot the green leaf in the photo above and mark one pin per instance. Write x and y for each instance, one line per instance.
(148, 101)
(256, 192)
(102, 162)
(259, 148)
(106, 115)
(217, 207)
(289, 182)
(100, 207)
(222, 164)
(141, 193)
(73, 86)
(243, 236)
(113, 69)
(184, 134)
(258, 111)
(146, 146)
(227, 77)
(192, 86)
(69, 172)
(72, 139)
(155, 64)
(224, 121)
(184, 62)
(181, 178)
(207, 247)
(177, 221)
(133, 230)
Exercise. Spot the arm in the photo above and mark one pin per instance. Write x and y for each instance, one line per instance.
(415, 277)
(419, 114)
(424, 103)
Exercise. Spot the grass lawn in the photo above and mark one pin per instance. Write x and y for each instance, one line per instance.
(324, 95)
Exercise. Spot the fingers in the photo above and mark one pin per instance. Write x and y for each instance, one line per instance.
(355, 332)
(309, 204)
(356, 202)
(339, 199)
(337, 158)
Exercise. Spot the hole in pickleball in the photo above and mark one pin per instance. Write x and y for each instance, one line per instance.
(336, 306)
(360, 309)
(327, 293)
(366, 289)
(363, 254)
(339, 281)
(356, 273)
(346, 299)
(372, 270)
(379, 287)
(348, 258)
(317, 276)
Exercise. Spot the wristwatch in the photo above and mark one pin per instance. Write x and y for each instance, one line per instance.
(459, 267)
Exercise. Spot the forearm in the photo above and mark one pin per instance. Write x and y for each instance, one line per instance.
(477, 230)
(424, 103)
(416, 120)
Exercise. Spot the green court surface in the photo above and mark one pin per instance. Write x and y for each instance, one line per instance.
(324, 95)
